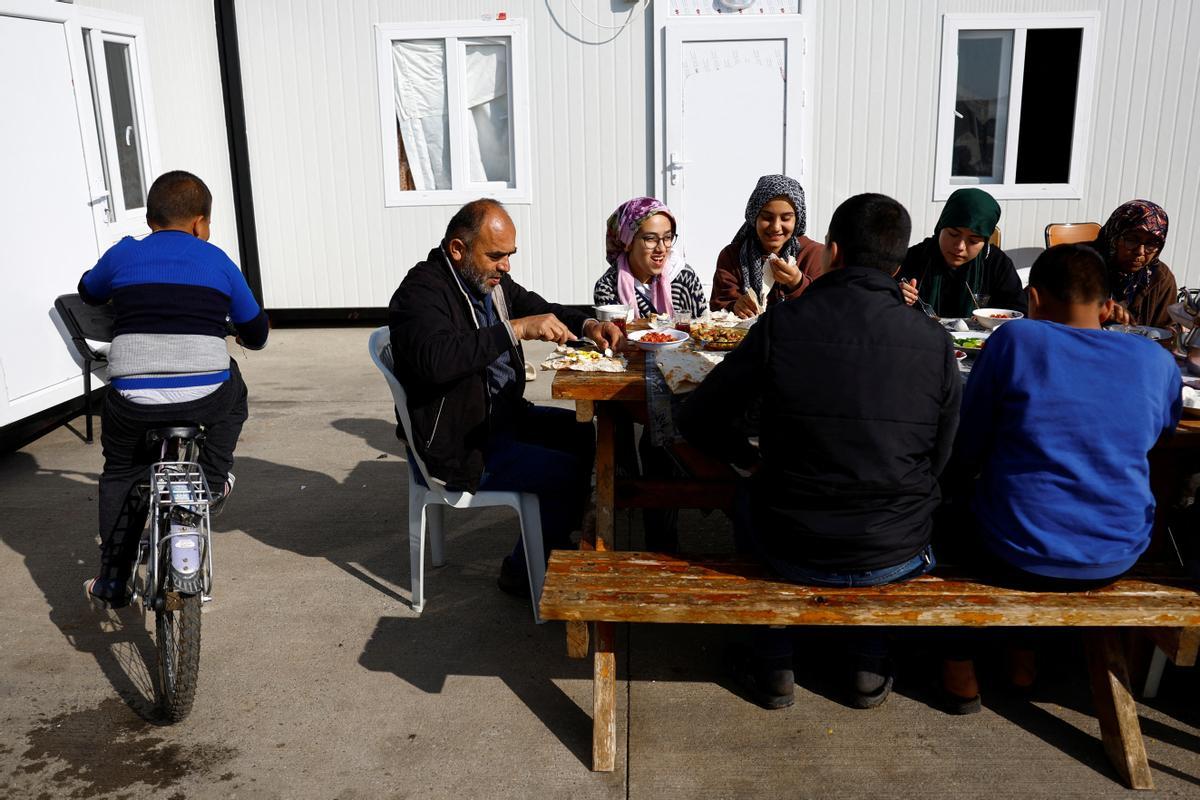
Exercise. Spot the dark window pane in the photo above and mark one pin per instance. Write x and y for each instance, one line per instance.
(981, 106)
(125, 126)
(1050, 87)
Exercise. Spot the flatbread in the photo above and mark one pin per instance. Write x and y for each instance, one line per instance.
(727, 318)
(684, 368)
(584, 361)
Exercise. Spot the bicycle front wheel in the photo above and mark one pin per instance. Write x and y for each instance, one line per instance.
(177, 631)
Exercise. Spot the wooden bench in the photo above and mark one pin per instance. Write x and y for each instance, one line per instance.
(603, 588)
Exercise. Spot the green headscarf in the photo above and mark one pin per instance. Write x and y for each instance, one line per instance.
(978, 212)
(973, 209)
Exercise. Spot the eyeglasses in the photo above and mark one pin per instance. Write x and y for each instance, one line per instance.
(1133, 244)
(651, 241)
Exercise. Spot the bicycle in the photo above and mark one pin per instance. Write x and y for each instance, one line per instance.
(173, 573)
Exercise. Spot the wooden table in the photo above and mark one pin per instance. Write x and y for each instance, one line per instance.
(600, 395)
(605, 396)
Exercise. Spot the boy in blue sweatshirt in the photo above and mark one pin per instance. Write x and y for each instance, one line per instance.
(1057, 420)
(172, 293)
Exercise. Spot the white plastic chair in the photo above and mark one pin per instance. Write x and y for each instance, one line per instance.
(426, 503)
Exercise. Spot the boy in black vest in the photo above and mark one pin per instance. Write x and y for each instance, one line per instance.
(859, 408)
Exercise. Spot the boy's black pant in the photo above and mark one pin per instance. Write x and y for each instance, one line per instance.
(127, 460)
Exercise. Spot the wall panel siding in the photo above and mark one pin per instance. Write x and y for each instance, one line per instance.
(325, 237)
(189, 108)
(327, 240)
(877, 80)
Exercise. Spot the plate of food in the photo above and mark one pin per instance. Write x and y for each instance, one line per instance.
(658, 339)
(970, 341)
(581, 360)
(1191, 398)
(718, 337)
(1164, 336)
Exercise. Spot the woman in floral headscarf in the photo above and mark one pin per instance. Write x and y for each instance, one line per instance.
(1142, 285)
(647, 271)
(769, 248)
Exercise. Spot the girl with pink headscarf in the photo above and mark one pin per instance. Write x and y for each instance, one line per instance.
(646, 270)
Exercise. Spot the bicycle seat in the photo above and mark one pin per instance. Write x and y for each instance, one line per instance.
(175, 432)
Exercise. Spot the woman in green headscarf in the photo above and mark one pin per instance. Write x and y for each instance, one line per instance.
(956, 270)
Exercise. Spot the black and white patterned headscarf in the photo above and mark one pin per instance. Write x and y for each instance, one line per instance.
(751, 255)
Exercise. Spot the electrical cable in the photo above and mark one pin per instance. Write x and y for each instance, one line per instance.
(637, 10)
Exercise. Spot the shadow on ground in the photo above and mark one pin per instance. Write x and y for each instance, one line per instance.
(468, 627)
(120, 641)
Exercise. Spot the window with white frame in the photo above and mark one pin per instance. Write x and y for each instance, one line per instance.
(1014, 111)
(453, 109)
(120, 102)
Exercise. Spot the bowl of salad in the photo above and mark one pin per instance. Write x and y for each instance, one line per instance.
(992, 318)
(658, 339)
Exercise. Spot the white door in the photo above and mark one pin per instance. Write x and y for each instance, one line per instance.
(47, 222)
(732, 111)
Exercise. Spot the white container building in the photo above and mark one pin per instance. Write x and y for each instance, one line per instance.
(339, 137)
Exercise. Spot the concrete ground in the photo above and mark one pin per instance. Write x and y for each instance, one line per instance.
(317, 680)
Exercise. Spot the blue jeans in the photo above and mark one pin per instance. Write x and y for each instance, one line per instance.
(547, 452)
(774, 645)
(919, 564)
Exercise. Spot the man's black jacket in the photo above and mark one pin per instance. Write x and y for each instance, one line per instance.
(441, 357)
(860, 404)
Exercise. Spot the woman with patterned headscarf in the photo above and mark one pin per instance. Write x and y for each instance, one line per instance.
(769, 247)
(957, 269)
(646, 271)
(1142, 285)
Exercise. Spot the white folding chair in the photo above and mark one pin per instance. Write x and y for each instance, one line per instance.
(427, 499)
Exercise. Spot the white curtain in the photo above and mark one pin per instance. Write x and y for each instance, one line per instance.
(419, 70)
(487, 103)
(422, 110)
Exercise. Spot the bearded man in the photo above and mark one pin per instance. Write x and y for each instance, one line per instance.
(457, 322)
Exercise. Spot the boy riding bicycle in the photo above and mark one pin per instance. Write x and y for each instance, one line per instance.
(172, 293)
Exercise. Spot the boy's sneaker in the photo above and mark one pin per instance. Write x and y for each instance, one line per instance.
(218, 501)
(1022, 668)
(105, 593)
(761, 682)
(873, 678)
(960, 690)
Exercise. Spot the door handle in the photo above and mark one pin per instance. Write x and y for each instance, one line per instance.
(104, 199)
(128, 135)
(674, 165)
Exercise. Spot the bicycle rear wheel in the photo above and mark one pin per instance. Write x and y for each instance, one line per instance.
(177, 637)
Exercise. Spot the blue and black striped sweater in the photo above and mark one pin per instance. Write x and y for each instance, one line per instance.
(172, 294)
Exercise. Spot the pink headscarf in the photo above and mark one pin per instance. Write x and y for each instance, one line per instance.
(623, 225)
